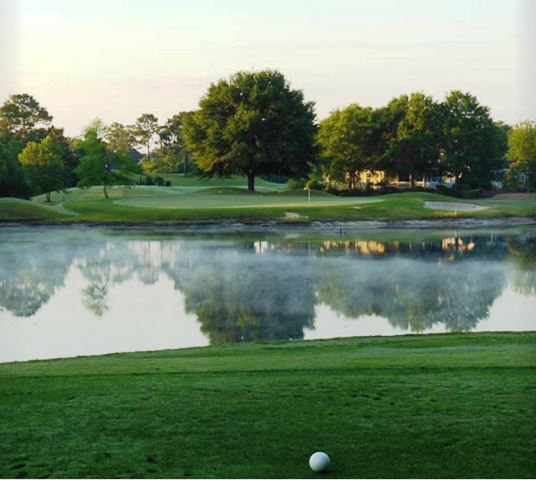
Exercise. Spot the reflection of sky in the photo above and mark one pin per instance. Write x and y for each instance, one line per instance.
(141, 317)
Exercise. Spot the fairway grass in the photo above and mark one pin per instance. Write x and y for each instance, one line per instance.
(218, 198)
(450, 405)
(192, 204)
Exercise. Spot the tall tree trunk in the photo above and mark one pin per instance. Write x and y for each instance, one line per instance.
(351, 181)
(47, 197)
(105, 190)
(251, 181)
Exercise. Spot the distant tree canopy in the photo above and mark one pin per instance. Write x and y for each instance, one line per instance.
(43, 163)
(473, 146)
(99, 166)
(522, 154)
(172, 154)
(22, 116)
(22, 119)
(145, 130)
(255, 124)
(13, 182)
(348, 139)
(119, 138)
(252, 124)
(413, 148)
(414, 137)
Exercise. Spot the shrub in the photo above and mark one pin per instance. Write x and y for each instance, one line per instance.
(294, 184)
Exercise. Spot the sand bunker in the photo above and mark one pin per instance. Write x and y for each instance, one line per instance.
(454, 206)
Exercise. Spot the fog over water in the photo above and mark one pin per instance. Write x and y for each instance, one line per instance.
(81, 291)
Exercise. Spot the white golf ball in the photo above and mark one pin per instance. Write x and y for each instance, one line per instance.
(319, 462)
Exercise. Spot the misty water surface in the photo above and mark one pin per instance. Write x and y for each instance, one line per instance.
(80, 291)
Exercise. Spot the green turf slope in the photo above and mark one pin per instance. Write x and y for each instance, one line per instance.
(454, 405)
(17, 209)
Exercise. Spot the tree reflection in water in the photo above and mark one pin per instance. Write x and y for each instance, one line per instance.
(522, 249)
(244, 297)
(103, 268)
(413, 294)
(33, 266)
(243, 290)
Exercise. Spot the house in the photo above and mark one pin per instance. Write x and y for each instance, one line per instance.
(376, 179)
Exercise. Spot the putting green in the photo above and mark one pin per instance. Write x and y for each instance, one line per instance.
(231, 198)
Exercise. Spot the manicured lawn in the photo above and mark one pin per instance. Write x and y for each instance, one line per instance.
(179, 180)
(454, 405)
(216, 198)
(197, 203)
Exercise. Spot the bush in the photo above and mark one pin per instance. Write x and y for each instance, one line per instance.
(443, 190)
(464, 191)
(275, 177)
(146, 180)
(296, 184)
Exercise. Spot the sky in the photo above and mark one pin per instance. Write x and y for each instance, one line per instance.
(117, 59)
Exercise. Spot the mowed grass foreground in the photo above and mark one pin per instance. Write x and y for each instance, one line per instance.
(193, 200)
(451, 405)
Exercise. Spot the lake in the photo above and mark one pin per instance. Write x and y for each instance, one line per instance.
(70, 291)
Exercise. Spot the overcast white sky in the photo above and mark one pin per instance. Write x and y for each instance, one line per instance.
(116, 59)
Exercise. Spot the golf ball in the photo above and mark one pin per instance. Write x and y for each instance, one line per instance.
(319, 462)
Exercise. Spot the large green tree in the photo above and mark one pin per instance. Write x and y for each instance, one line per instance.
(23, 116)
(349, 142)
(252, 124)
(99, 166)
(473, 146)
(412, 147)
(43, 164)
(522, 154)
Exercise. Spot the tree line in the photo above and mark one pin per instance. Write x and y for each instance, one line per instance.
(36, 157)
(415, 137)
(254, 124)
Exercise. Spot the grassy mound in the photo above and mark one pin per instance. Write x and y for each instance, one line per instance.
(17, 209)
(455, 405)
